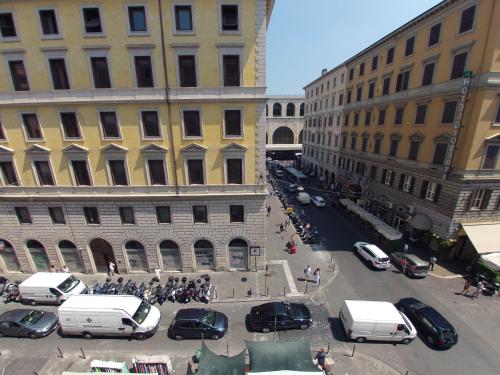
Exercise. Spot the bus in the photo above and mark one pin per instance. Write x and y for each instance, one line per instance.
(295, 176)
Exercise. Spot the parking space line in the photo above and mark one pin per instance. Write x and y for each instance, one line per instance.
(288, 274)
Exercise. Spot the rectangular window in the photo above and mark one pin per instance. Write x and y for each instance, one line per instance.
(127, 215)
(421, 113)
(346, 120)
(229, 17)
(434, 34)
(232, 123)
(386, 86)
(57, 215)
(374, 63)
(143, 71)
(440, 153)
(381, 117)
(361, 69)
(59, 74)
(163, 215)
(414, 148)
(118, 172)
(100, 72)
(92, 20)
(19, 76)
(32, 126)
(341, 99)
(377, 146)
(368, 117)
(410, 43)
(231, 70)
(449, 112)
(236, 213)
(157, 172)
(234, 171)
(81, 172)
(192, 126)
(398, 117)
(200, 214)
(477, 199)
(407, 183)
(48, 22)
(428, 74)
(353, 143)
(44, 173)
(150, 124)
(356, 119)
(491, 157)
(351, 74)
(497, 117)
(393, 151)
(137, 19)
(109, 124)
(359, 93)
(373, 172)
(371, 90)
(467, 20)
(91, 215)
(349, 94)
(344, 141)
(458, 68)
(183, 18)
(403, 81)
(364, 144)
(7, 26)
(390, 56)
(389, 178)
(430, 193)
(187, 71)
(23, 215)
(195, 172)
(9, 173)
(70, 126)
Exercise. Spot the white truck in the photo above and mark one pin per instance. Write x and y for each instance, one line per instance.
(50, 288)
(375, 320)
(108, 315)
(303, 197)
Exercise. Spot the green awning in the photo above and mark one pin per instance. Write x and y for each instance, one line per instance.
(214, 364)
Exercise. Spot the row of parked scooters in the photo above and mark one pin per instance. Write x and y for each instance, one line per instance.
(9, 290)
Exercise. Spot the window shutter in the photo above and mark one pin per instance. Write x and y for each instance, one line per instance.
(392, 178)
(412, 184)
(470, 200)
(401, 181)
(423, 190)
(384, 174)
(438, 191)
(486, 199)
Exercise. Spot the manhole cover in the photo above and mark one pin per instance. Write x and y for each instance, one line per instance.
(243, 279)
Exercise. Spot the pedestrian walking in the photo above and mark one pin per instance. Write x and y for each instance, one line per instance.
(316, 276)
(321, 360)
(406, 247)
(479, 288)
(65, 269)
(281, 227)
(111, 268)
(307, 272)
(268, 210)
(465, 291)
(432, 261)
(404, 264)
(158, 272)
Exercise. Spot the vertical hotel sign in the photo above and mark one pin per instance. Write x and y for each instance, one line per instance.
(457, 123)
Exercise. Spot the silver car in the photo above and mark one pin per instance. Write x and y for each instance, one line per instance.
(27, 323)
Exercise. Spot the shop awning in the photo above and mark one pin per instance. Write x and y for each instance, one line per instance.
(213, 364)
(389, 232)
(420, 222)
(484, 236)
(492, 260)
(346, 202)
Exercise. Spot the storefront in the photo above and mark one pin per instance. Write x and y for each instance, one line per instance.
(238, 254)
(136, 255)
(71, 256)
(9, 257)
(170, 256)
(204, 254)
(38, 256)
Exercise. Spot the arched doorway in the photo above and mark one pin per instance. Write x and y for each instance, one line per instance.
(71, 256)
(136, 255)
(238, 254)
(103, 253)
(9, 257)
(283, 135)
(204, 254)
(300, 137)
(38, 255)
(170, 256)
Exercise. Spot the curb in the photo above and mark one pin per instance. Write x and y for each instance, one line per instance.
(449, 277)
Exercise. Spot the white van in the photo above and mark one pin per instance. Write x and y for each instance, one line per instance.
(375, 320)
(107, 315)
(303, 198)
(50, 287)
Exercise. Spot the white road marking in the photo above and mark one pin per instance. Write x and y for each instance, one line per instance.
(288, 274)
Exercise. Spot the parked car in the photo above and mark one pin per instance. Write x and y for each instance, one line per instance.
(292, 188)
(27, 323)
(286, 315)
(437, 331)
(318, 201)
(415, 267)
(373, 255)
(198, 324)
(303, 198)
(300, 189)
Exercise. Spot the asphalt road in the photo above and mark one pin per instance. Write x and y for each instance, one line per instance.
(477, 350)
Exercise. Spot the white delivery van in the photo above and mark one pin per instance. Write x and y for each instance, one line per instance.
(375, 320)
(50, 287)
(107, 315)
(303, 198)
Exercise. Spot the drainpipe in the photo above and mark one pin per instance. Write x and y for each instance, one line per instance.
(167, 97)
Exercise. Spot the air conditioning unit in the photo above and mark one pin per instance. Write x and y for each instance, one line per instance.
(411, 209)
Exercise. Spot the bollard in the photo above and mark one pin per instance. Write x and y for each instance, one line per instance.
(249, 292)
(284, 291)
(233, 293)
(353, 350)
(83, 356)
(60, 352)
(328, 351)
(334, 264)
(267, 292)
(305, 291)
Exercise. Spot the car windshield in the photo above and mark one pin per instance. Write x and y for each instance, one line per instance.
(208, 318)
(69, 284)
(289, 310)
(142, 312)
(448, 334)
(383, 259)
(31, 318)
(421, 268)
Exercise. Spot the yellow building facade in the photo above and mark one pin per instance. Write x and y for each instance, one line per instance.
(132, 133)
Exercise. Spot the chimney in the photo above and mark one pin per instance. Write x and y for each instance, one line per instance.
(324, 71)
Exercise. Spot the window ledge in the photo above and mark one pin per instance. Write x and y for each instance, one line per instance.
(94, 35)
(51, 37)
(10, 39)
(183, 33)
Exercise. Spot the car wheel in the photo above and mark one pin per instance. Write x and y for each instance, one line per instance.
(178, 337)
(1, 334)
(33, 303)
(405, 341)
(87, 335)
(361, 339)
(429, 340)
(214, 337)
(266, 330)
(32, 336)
(304, 326)
(140, 336)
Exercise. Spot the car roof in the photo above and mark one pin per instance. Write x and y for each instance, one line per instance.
(45, 279)
(318, 197)
(15, 315)
(415, 259)
(434, 316)
(273, 308)
(189, 314)
(375, 249)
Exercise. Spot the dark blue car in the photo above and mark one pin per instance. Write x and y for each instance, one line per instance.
(198, 324)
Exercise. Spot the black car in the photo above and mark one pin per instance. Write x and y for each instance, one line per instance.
(198, 324)
(286, 316)
(437, 331)
(27, 323)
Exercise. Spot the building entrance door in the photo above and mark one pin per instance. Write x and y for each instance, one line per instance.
(102, 252)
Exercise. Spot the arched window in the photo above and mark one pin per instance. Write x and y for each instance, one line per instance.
(302, 109)
(277, 110)
(9, 257)
(204, 254)
(267, 110)
(290, 109)
(238, 254)
(283, 135)
(39, 255)
(71, 256)
(136, 255)
(170, 256)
